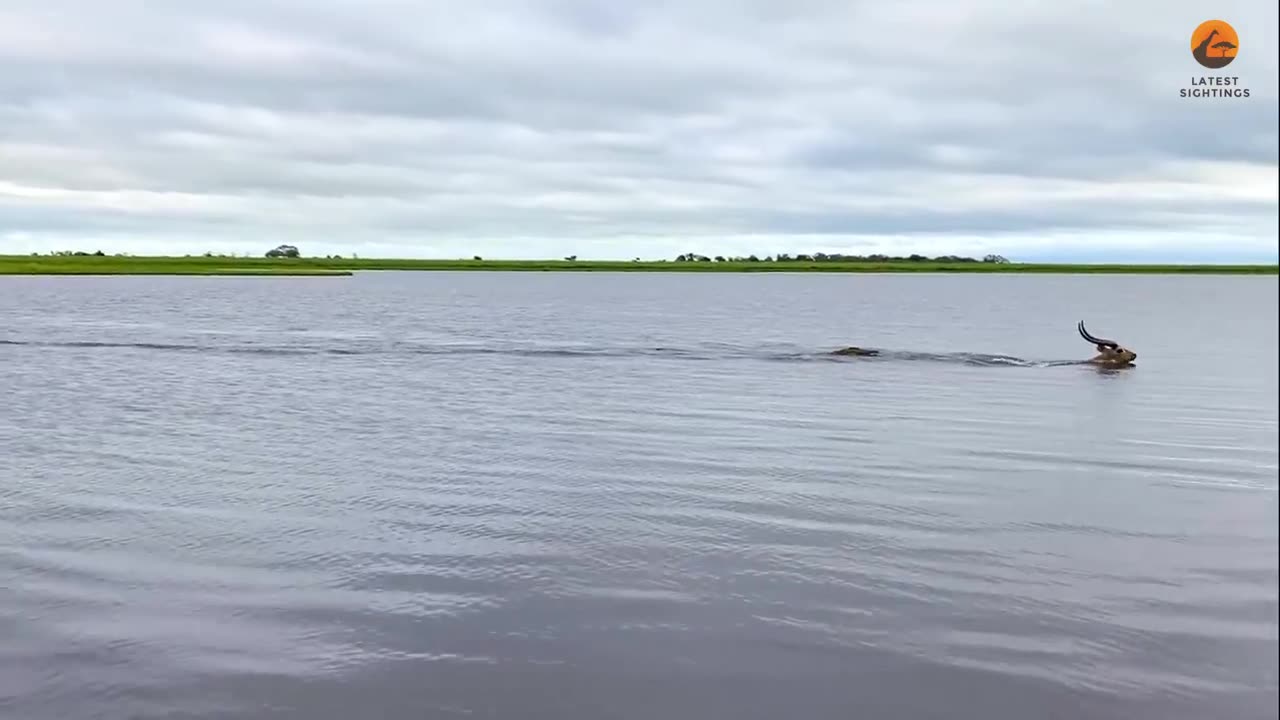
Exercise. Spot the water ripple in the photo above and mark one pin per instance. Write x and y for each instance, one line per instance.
(434, 496)
(707, 352)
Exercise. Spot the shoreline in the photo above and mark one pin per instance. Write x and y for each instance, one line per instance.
(343, 267)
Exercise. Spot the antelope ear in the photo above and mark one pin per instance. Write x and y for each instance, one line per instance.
(1101, 348)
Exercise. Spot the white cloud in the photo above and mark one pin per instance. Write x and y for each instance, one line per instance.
(619, 130)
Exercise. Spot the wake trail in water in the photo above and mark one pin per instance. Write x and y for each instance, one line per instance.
(713, 352)
(966, 358)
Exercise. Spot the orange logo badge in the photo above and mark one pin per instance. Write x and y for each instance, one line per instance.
(1214, 44)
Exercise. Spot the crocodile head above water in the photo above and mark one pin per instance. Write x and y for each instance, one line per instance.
(854, 350)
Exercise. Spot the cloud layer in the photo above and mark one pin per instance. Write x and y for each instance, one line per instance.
(616, 130)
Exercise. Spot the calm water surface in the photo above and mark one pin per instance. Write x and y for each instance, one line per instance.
(435, 495)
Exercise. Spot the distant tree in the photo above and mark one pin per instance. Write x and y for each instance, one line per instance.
(571, 258)
(994, 259)
(836, 257)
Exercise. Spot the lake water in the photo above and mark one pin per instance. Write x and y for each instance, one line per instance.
(546, 495)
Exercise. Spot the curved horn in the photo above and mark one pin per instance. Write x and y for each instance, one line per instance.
(1096, 341)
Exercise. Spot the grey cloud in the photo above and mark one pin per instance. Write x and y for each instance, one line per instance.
(504, 127)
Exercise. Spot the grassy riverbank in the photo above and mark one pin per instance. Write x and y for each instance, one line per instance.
(112, 265)
(202, 265)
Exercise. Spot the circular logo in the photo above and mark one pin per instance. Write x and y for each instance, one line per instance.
(1214, 44)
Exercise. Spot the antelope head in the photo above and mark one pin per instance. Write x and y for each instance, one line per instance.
(1110, 354)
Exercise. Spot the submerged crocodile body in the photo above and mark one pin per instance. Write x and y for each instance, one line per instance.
(852, 350)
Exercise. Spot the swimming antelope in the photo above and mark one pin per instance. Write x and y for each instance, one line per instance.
(1110, 354)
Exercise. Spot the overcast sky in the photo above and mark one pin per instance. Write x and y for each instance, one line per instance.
(613, 129)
